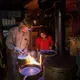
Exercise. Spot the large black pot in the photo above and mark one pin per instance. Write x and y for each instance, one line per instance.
(25, 72)
(60, 68)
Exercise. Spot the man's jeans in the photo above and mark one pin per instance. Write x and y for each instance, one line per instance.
(11, 63)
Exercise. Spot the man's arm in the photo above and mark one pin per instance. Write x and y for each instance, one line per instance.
(9, 41)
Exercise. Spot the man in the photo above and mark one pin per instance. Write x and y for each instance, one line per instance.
(17, 43)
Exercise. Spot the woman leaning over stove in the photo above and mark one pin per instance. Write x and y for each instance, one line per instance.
(44, 41)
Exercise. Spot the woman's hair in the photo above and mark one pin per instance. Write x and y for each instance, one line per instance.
(43, 30)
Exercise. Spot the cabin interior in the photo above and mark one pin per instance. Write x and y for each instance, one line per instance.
(61, 18)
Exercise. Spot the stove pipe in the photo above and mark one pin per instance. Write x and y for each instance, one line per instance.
(61, 28)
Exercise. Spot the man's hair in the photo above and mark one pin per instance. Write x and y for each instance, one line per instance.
(26, 22)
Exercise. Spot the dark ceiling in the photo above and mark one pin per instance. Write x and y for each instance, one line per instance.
(12, 4)
(19, 4)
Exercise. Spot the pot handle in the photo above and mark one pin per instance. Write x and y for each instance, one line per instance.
(25, 78)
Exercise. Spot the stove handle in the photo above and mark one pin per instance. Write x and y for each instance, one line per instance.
(25, 78)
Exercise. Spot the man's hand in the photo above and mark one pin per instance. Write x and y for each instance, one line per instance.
(16, 49)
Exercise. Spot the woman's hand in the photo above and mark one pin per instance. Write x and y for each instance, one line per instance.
(50, 48)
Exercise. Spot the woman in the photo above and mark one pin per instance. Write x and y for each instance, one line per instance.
(44, 42)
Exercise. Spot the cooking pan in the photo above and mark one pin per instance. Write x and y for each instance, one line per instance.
(30, 72)
(48, 52)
